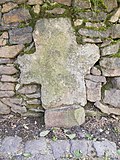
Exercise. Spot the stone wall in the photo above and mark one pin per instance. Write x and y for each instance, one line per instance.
(57, 56)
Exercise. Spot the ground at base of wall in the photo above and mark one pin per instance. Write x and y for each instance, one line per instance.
(29, 129)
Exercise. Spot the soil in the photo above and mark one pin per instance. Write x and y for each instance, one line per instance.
(95, 128)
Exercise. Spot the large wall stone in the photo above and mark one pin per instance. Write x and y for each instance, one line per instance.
(59, 63)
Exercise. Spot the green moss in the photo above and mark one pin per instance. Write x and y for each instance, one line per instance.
(117, 55)
(98, 4)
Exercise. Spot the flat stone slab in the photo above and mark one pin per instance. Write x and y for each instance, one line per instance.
(59, 63)
(46, 149)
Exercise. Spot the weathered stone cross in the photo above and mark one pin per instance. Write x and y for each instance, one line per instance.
(59, 64)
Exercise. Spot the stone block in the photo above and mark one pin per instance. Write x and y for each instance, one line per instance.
(16, 15)
(4, 109)
(20, 35)
(10, 51)
(93, 91)
(65, 117)
(112, 97)
(110, 66)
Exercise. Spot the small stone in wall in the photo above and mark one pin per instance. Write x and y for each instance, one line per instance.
(65, 2)
(34, 95)
(83, 4)
(111, 49)
(20, 35)
(4, 109)
(34, 2)
(15, 104)
(36, 9)
(105, 146)
(115, 31)
(16, 15)
(6, 94)
(92, 40)
(94, 33)
(6, 60)
(115, 17)
(95, 71)
(116, 82)
(20, 1)
(4, 1)
(10, 51)
(92, 16)
(65, 117)
(56, 11)
(110, 66)
(8, 70)
(78, 22)
(7, 78)
(28, 89)
(97, 79)
(112, 97)
(93, 91)
(34, 101)
(106, 109)
(95, 25)
(7, 86)
(8, 6)
(110, 4)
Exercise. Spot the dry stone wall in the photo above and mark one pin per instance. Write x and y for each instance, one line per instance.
(57, 56)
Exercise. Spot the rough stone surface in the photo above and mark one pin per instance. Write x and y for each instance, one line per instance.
(110, 4)
(115, 17)
(65, 2)
(15, 104)
(60, 62)
(6, 60)
(116, 31)
(112, 49)
(116, 82)
(10, 51)
(16, 15)
(20, 35)
(97, 79)
(56, 11)
(8, 6)
(4, 109)
(9, 70)
(92, 16)
(93, 91)
(11, 146)
(28, 89)
(7, 86)
(106, 109)
(65, 117)
(95, 71)
(7, 78)
(84, 146)
(112, 97)
(45, 149)
(36, 146)
(94, 33)
(110, 66)
(60, 148)
(34, 101)
(3, 1)
(82, 4)
(6, 94)
(33, 2)
(92, 40)
(105, 147)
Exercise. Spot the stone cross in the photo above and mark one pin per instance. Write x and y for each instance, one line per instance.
(59, 64)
